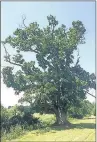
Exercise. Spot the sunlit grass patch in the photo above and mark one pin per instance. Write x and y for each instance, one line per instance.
(46, 119)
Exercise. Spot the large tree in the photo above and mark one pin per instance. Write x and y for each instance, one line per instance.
(57, 82)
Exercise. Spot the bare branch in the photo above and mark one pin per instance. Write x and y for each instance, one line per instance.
(34, 51)
(8, 57)
(78, 57)
(24, 18)
(14, 63)
(23, 22)
(7, 54)
(90, 94)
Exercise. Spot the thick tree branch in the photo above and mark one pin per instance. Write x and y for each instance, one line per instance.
(85, 90)
(90, 94)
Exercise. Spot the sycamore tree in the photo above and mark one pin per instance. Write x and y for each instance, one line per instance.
(57, 82)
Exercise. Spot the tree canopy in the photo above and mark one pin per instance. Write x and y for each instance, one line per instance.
(57, 82)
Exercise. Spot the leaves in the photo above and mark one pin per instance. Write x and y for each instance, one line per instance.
(56, 81)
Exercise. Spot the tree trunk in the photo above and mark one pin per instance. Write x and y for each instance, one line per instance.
(61, 118)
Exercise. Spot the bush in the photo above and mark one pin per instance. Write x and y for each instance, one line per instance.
(26, 119)
(14, 124)
(30, 119)
(13, 133)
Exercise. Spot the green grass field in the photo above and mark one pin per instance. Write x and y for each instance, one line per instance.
(81, 130)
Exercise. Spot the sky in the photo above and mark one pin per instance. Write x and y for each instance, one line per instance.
(65, 12)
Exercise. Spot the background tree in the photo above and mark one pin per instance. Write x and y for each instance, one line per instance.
(94, 108)
(57, 82)
(84, 109)
(4, 114)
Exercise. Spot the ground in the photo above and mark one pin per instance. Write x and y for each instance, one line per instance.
(81, 130)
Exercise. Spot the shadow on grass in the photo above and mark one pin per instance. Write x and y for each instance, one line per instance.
(84, 126)
(73, 126)
(89, 118)
(63, 127)
(77, 126)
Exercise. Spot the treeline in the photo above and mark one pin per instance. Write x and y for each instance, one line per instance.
(85, 108)
(23, 115)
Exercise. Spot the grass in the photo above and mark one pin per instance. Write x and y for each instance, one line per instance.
(46, 119)
(81, 130)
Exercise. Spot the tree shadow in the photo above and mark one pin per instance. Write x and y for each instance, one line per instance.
(73, 126)
(64, 127)
(84, 126)
(89, 118)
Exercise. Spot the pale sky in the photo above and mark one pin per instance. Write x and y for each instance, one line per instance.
(65, 12)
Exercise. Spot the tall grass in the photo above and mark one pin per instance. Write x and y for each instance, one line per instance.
(13, 133)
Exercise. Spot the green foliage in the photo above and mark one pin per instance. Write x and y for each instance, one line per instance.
(46, 119)
(13, 111)
(94, 109)
(94, 112)
(85, 109)
(57, 83)
(4, 114)
(17, 115)
(13, 133)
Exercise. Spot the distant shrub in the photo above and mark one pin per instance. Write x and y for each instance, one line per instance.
(78, 116)
(85, 108)
(94, 112)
